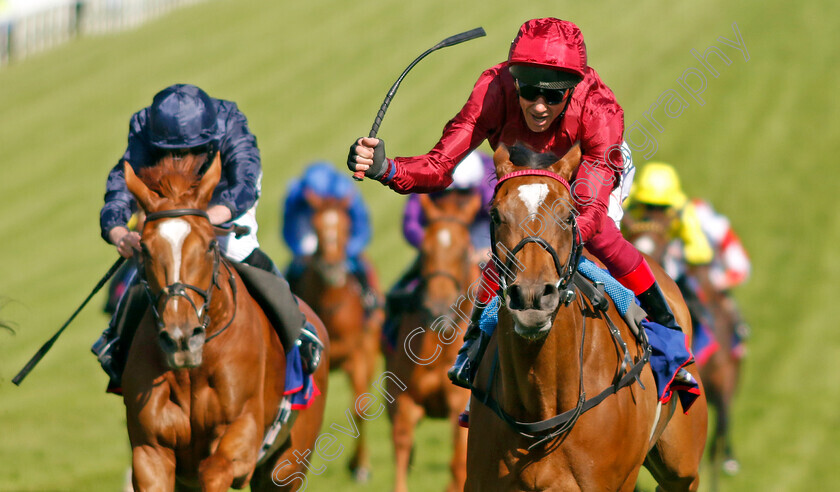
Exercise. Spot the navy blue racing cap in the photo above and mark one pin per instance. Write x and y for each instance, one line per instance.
(182, 116)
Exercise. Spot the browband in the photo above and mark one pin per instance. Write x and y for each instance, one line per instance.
(534, 172)
(178, 212)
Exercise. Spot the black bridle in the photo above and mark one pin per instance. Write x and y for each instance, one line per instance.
(548, 429)
(564, 271)
(179, 289)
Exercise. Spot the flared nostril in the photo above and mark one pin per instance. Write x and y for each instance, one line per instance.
(550, 297)
(167, 343)
(515, 298)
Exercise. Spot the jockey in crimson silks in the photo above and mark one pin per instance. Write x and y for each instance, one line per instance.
(546, 97)
(323, 179)
(184, 119)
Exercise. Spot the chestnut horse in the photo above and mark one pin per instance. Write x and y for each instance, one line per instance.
(720, 373)
(430, 333)
(567, 419)
(206, 370)
(336, 296)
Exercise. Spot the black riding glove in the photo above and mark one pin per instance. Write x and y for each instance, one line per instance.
(380, 163)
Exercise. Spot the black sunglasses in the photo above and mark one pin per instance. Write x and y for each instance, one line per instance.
(531, 93)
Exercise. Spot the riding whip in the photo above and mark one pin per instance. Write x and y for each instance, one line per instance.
(450, 41)
(47, 346)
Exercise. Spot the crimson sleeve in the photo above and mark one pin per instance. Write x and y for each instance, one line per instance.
(477, 119)
(601, 162)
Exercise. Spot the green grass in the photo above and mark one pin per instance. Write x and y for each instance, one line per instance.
(310, 76)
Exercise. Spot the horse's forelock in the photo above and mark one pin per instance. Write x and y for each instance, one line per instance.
(524, 157)
(173, 176)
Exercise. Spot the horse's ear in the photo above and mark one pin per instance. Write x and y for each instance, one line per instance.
(569, 163)
(430, 210)
(209, 181)
(501, 158)
(346, 202)
(472, 207)
(147, 198)
(314, 200)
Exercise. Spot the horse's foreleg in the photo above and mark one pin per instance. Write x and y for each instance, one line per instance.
(729, 463)
(675, 459)
(153, 468)
(406, 415)
(458, 465)
(233, 461)
(360, 371)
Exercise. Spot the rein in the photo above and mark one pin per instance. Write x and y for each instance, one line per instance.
(548, 429)
(179, 289)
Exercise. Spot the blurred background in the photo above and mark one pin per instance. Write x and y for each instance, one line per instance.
(310, 77)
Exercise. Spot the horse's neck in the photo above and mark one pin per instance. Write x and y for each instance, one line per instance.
(544, 376)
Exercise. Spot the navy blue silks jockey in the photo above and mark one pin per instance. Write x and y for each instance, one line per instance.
(184, 119)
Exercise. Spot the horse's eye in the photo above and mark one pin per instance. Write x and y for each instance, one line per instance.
(495, 217)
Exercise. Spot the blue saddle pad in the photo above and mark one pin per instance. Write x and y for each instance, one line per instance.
(300, 386)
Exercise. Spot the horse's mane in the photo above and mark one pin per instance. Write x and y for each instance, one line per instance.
(173, 176)
(525, 157)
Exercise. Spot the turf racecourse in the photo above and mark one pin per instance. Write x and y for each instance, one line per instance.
(310, 77)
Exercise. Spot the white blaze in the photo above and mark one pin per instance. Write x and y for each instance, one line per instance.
(532, 195)
(175, 231)
(444, 238)
(331, 219)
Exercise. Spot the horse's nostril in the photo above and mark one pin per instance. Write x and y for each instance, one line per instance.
(515, 298)
(550, 297)
(167, 343)
(196, 340)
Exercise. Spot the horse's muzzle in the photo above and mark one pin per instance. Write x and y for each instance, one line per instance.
(532, 306)
(182, 350)
(533, 296)
(531, 323)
